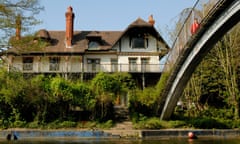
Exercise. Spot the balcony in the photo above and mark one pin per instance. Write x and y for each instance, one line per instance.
(93, 68)
(136, 68)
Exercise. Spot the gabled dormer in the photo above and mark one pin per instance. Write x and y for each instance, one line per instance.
(141, 36)
(94, 40)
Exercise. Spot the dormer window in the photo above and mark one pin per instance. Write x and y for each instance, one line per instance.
(139, 41)
(92, 45)
(94, 40)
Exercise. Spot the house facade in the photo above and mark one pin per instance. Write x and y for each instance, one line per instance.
(136, 50)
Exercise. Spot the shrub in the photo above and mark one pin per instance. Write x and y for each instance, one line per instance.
(106, 125)
(34, 124)
(152, 123)
(19, 124)
(235, 123)
(68, 124)
(4, 124)
(53, 125)
(177, 124)
(207, 123)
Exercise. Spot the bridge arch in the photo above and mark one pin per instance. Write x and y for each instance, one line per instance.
(195, 50)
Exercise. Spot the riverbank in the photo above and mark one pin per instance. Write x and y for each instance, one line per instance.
(98, 134)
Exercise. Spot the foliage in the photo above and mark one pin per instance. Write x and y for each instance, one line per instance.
(83, 96)
(125, 80)
(105, 125)
(106, 88)
(161, 85)
(156, 123)
(10, 11)
(215, 83)
(148, 97)
(61, 90)
(207, 123)
(143, 102)
(105, 83)
(68, 124)
(198, 122)
(13, 97)
(146, 101)
(18, 124)
(153, 123)
(28, 43)
(39, 100)
(33, 125)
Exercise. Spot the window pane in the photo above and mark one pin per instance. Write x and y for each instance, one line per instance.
(145, 64)
(138, 42)
(132, 64)
(93, 65)
(54, 64)
(28, 63)
(114, 65)
(93, 45)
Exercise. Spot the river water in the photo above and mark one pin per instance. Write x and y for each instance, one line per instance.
(128, 141)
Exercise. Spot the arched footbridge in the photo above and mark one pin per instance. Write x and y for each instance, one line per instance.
(188, 50)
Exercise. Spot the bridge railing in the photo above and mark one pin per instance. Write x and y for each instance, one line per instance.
(199, 11)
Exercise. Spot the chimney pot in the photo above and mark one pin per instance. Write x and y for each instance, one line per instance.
(151, 20)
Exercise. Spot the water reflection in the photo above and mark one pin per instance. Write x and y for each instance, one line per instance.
(124, 141)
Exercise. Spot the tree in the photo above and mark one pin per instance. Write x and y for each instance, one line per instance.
(228, 55)
(13, 98)
(105, 87)
(82, 96)
(15, 13)
(61, 90)
(215, 82)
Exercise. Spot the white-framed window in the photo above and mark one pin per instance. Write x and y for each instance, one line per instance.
(132, 64)
(114, 65)
(93, 65)
(145, 64)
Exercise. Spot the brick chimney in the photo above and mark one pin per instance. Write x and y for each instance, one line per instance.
(18, 26)
(69, 27)
(151, 20)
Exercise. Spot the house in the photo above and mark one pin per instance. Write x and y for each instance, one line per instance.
(81, 54)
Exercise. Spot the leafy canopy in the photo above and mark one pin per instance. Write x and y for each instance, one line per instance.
(11, 10)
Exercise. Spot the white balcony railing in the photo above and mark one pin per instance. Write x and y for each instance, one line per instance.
(27, 66)
(93, 68)
(54, 67)
(123, 68)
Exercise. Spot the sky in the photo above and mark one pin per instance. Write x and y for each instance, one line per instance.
(110, 15)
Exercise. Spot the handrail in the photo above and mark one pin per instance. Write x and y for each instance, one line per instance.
(89, 68)
(199, 11)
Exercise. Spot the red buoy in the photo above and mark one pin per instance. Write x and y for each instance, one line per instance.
(191, 135)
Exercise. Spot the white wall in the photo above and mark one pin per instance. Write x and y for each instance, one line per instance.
(105, 61)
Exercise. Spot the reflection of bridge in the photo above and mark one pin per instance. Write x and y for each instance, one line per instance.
(188, 51)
